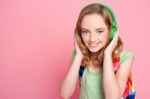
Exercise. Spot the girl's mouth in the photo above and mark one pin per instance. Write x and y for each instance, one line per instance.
(93, 45)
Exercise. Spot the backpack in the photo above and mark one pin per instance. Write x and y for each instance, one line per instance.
(130, 88)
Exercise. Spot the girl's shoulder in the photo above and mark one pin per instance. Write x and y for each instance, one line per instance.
(73, 54)
(125, 54)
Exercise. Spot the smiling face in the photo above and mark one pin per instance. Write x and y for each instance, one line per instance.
(94, 32)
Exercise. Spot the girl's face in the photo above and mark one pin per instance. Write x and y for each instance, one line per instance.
(94, 32)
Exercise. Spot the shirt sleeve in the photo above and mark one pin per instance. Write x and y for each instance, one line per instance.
(73, 55)
(125, 55)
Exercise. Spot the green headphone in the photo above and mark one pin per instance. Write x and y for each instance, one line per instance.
(114, 23)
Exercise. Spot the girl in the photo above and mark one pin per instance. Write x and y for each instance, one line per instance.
(95, 61)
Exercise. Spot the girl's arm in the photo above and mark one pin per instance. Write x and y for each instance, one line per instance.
(115, 84)
(69, 83)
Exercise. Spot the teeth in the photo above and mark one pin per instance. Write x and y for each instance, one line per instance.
(93, 45)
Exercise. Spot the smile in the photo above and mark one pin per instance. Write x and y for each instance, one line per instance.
(93, 45)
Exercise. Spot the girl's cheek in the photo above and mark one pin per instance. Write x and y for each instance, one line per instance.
(85, 39)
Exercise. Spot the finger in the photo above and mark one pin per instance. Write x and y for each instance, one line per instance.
(118, 30)
(75, 40)
(114, 41)
(117, 34)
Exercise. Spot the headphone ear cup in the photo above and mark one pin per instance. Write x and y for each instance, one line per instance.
(113, 32)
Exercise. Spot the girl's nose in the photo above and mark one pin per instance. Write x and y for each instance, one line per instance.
(92, 38)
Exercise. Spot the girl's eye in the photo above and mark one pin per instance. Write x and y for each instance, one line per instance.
(100, 32)
(84, 32)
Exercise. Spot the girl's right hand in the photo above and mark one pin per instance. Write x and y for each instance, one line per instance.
(78, 51)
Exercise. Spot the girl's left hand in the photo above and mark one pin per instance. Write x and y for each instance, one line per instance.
(109, 49)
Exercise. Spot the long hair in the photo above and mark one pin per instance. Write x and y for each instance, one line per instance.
(96, 58)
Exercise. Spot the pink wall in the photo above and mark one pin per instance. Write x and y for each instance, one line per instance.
(36, 39)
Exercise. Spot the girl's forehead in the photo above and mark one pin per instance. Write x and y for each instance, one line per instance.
(93, 21)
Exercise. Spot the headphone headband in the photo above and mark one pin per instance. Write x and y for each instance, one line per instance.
(110, 11)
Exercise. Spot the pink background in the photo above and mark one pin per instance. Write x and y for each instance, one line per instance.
(36, 39)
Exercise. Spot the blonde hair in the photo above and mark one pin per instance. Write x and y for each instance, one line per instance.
(96, 58)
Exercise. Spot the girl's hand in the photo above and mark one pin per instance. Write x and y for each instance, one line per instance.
(109, 49)
(78, 51)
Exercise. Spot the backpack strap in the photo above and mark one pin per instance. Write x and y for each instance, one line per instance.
(130, 89)
(81, 70)
(116, 61)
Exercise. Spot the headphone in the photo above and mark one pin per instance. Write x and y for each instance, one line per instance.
(114, 22)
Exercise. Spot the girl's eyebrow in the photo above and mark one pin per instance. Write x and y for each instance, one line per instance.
(84, 29)
(100, 28)
(95, 29)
